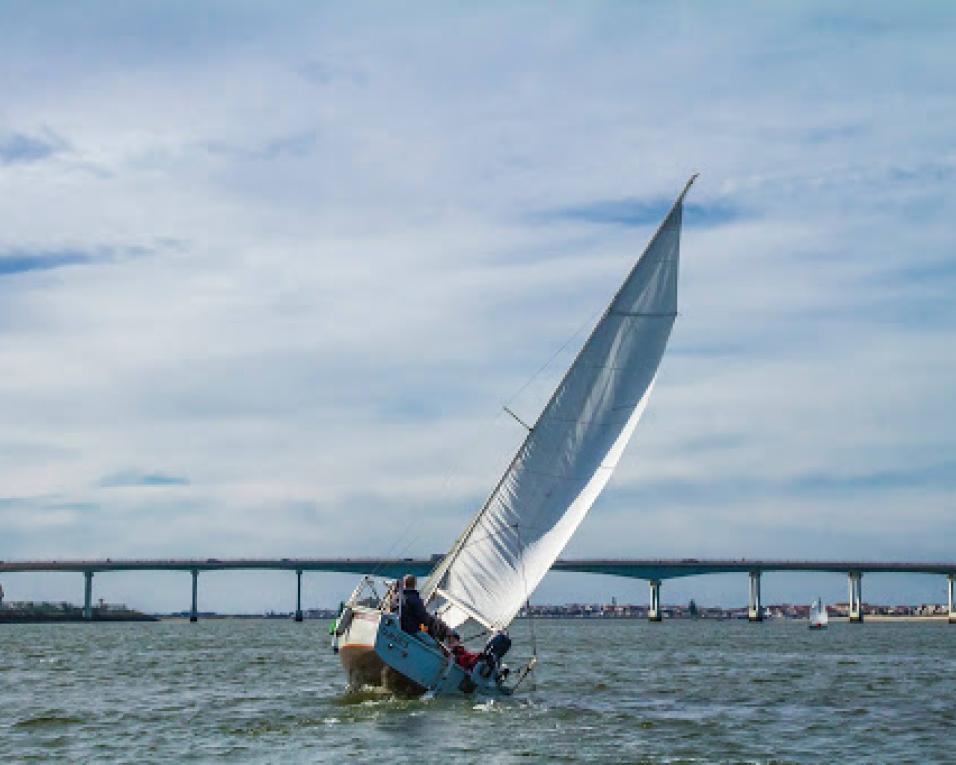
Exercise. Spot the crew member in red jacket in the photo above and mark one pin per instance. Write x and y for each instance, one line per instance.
(463, 657)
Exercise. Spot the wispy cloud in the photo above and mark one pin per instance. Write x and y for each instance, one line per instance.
(371, 238)
(327, 73)
(18, 262)
(22, 260)
(17, 148)
(663, 493)
(132, 478)
(293, 145)
(642, 212)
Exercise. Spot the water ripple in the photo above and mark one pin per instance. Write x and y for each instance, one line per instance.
(621, 691)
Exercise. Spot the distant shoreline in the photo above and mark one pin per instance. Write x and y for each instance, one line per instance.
(901, 618)
(23, 618)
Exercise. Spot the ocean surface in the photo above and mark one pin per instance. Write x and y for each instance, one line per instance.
(606, 691)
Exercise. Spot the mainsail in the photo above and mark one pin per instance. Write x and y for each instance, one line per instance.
(570, 452)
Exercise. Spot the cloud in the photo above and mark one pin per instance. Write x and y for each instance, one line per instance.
(127, 478)
(20, 148)
(324, 73)
(21, 260)
(293, 145)
(362, 244)
(637, 212)
(674, 491)
(18, 262)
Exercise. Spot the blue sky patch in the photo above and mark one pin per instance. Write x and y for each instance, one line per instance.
(642, 212)
(19, 147)
(19, 261)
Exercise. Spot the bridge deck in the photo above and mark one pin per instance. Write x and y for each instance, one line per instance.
(649, 568)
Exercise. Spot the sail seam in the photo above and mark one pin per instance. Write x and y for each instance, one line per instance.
(564, 476)
(643, 313)
(490, 534)
(602, 366)
(595, 422)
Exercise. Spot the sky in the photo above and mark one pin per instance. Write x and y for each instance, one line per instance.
(269, 272)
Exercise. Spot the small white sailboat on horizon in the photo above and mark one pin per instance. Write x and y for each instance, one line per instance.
(558, 472)
(818, 615)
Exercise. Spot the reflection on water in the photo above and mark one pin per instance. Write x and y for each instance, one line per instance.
(616, 691)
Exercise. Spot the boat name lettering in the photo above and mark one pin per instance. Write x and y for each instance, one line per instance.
(399, 638)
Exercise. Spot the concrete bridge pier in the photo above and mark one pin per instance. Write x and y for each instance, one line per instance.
(952, 612)
(754, 606)
(193, 614)
(654, 607)
(855, 609)
(298, 595)
(88, 595)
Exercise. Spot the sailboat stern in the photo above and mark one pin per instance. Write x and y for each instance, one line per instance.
(354, 642)
(418, 659)
(376, 653)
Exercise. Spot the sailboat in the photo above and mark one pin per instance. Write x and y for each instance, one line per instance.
(565, 461)
(818, 615)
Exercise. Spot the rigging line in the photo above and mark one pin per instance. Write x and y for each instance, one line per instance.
(610, 307)
(412, 531)
(396, 540)
(453, 472)
(445, 563)
(452, 554)
(659, 315)
(527, 596)
(677, 204)
(565, 344)
(520, 421)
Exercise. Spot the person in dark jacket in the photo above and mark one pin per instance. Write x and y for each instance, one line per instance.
(415, 616)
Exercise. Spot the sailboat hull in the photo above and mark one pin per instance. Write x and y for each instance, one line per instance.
(362, 664)
(376, 653)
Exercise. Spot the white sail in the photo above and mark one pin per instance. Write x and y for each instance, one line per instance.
(818, 614)
(569, 454)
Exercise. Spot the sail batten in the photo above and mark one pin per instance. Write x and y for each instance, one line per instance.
(570, 452)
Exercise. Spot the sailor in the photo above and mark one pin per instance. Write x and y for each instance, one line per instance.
(414, 617)
(463, 657)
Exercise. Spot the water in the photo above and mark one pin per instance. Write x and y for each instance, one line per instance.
(623, 691)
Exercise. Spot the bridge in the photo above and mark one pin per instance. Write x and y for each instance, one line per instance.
(654, 570)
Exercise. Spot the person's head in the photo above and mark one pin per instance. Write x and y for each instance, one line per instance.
(409, 582)
(454, 639)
